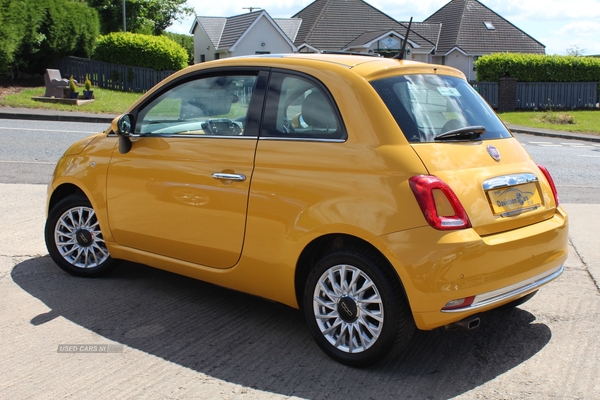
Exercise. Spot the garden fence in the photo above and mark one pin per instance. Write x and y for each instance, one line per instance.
(110, 76)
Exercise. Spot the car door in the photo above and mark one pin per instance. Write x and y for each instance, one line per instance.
(182, 189)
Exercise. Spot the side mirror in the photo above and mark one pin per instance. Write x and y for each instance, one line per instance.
(122, 127)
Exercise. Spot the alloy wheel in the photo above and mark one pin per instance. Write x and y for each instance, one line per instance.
(348, 308)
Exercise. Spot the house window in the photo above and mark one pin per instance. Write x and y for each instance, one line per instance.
(262, 52)
(489, 25)
(217, 56)
(202, 58)
(475, 58)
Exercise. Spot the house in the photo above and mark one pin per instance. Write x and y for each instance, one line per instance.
(354, 25)
(251, 33)
(456, 35)
(470, 30)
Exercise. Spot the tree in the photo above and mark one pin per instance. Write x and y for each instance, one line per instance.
(186, 41)
(141, 16)
(35, 32)
(575, 50)
(12, 31)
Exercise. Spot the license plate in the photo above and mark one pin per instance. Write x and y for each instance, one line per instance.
(515, 199)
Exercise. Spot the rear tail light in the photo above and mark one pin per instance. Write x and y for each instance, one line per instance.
(550, 182)
(439, 204)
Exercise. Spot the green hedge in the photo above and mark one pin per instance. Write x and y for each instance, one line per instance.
(537, 68)
(156, 52)
(186, 41)
(33, 33)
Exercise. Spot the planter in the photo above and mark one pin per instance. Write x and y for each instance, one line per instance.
(73, 95)
(88, 94)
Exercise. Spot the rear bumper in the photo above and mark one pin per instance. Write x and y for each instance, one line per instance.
(437, 267)
(511, 292)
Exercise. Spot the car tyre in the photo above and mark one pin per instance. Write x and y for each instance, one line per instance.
(356, 309)
(74, 239)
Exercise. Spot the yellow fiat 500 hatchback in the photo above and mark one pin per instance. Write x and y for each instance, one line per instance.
(376, 195)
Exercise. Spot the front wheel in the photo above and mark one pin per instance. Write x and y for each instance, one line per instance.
(355, 308)
(74, 239)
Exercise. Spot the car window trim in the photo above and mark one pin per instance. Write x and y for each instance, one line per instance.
(268, 109)
(255, 108)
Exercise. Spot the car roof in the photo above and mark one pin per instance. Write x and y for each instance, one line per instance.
(367, 66)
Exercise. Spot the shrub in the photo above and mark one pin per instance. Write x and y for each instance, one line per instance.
(186, 41)
(12, 31)
(72, 84)
(558, 119)
(156, 52)
(35, 32)
(538, 68)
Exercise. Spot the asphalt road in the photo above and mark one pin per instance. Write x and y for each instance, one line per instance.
(29, 150)
(174, 337)
(574, 165)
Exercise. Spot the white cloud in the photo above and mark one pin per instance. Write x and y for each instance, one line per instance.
(582, 34)
(581, 29)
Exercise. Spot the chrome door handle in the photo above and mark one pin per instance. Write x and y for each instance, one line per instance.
(229, 177)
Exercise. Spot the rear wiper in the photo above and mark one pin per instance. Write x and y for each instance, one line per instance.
(466, 133)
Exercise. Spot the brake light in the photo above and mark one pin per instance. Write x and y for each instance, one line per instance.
(550, 182)
(439, 204)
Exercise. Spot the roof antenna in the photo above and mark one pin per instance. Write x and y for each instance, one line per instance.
(400, 56)
(251, 8)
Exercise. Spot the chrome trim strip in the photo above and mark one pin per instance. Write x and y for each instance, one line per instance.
(519, 212)
(496, 296)
(186, 135)
(297, 139)
(508, 180)
(229, 177)
(200, 135)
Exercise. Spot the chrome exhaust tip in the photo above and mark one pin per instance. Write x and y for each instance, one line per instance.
(468, 323)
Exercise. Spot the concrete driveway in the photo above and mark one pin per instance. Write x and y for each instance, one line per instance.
(151, 334)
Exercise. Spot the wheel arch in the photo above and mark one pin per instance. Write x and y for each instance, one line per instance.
(68, 188)
(62, 191)
(322, 245)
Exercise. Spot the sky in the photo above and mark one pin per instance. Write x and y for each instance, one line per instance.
(558, 24)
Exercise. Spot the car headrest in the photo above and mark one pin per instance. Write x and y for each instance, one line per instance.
(317, 112)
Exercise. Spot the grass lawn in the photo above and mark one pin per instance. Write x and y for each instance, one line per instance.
(583, 121)
(106, 101)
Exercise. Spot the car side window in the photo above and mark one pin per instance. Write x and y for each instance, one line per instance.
(208, 106)
(299, 108)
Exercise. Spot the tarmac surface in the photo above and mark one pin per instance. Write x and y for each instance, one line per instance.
(151, 334)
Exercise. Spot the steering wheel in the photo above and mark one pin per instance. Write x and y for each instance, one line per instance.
(288, 127)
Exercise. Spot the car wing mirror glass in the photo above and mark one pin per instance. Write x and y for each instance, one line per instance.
(123, 127)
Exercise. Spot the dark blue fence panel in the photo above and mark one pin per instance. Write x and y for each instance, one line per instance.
(489, 91)
(547, 95)
(110, 76)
